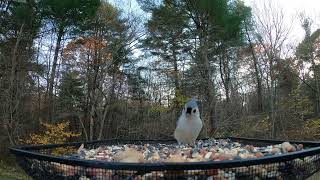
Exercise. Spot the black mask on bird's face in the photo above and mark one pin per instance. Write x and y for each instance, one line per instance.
(189, 109)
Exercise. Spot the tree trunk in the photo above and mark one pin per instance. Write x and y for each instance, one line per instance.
(53, 73)
(209, 89)
(94, 92)
(113, 87)
(93, 110)
(106, 110)
(10, 125)
(92, 116)
(256, 73)
(259, 85)
(225, 75)
(176, 80)
(38, 86)
(83, 127)
(272, 97)
(316, 79)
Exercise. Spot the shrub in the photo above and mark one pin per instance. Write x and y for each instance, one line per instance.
(54, 134)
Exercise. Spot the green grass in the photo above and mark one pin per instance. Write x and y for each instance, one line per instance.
(9, 172)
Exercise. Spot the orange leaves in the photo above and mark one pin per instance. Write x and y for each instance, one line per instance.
(89, 43)
(86, 49)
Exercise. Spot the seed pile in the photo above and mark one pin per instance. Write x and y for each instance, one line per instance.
(207, 150)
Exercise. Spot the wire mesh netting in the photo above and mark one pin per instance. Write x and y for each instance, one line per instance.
(40, 163)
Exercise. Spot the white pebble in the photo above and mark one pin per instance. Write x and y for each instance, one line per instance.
(208, 155)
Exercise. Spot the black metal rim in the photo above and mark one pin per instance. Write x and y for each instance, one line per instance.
(24, 151)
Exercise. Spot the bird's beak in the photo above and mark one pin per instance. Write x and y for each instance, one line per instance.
(189, 110)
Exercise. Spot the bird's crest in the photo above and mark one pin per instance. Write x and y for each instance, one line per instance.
(192, 103)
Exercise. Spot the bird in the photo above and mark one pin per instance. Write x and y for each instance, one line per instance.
(189, 124)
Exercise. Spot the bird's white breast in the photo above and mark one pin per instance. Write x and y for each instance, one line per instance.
(188, 130)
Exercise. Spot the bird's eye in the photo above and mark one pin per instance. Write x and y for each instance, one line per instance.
(194, 111)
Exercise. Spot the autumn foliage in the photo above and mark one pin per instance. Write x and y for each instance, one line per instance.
(53, 134)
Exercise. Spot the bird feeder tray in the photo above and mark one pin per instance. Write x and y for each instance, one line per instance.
(45, 161)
